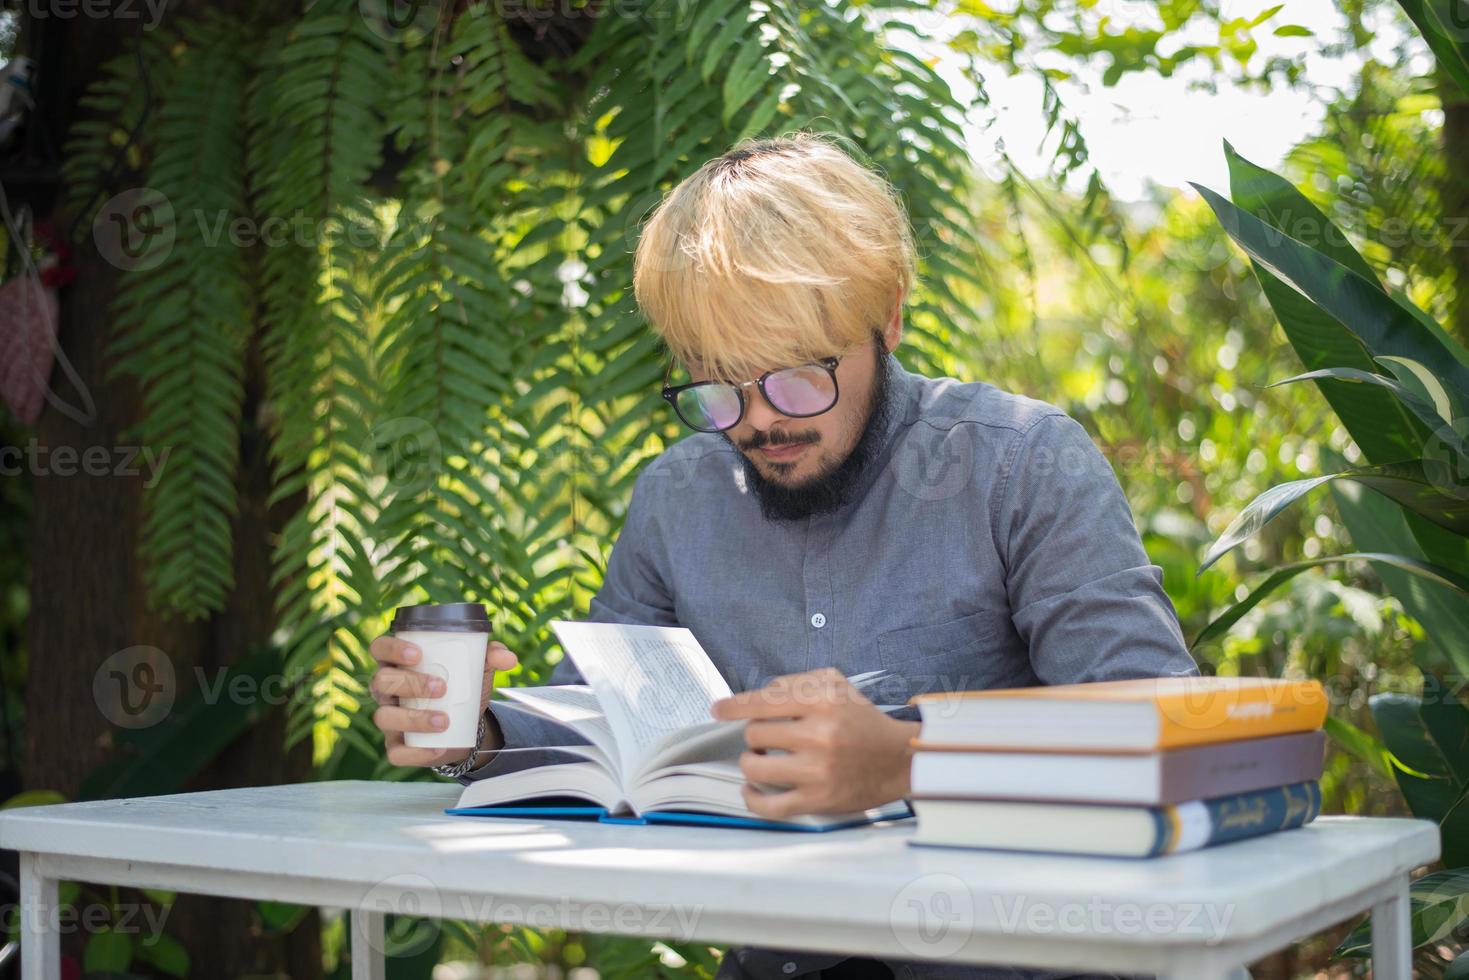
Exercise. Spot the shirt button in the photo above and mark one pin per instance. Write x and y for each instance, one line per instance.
(818, 620)
(791, 967)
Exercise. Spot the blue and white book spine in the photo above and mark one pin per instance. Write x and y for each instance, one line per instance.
(1204, 823)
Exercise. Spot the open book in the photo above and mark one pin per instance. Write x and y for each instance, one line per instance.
(654, 753)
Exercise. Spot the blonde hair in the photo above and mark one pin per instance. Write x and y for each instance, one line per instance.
(781, 251)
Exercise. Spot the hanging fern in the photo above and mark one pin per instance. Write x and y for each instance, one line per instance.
(183, 319)
(317, 127)
(460, 390)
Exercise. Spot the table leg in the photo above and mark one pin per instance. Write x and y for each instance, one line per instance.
(40, 943)
(1392, 936)
(368, 961)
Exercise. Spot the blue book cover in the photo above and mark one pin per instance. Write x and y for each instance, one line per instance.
(578, 811)
(1204, 823)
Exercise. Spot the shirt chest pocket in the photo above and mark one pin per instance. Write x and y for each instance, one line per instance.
(964, 654)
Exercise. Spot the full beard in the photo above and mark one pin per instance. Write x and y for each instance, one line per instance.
(827, 492)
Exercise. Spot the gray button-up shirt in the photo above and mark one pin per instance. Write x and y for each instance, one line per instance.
(988, 545)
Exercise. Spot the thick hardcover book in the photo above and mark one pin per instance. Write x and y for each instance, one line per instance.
(1139, 715)
(1193, 773)
(1114, 831)
(652, 747)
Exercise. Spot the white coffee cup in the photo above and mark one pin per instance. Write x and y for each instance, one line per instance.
(453, 639)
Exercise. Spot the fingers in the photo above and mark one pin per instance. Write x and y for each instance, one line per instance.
(499, 657)
(779, 770)
(391, 650)
(394, 682)
(400, 754)
(793, 735)
(777, 806)
(392, 718)
(788, 696)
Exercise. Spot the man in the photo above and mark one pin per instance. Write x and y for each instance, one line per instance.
(836, 513)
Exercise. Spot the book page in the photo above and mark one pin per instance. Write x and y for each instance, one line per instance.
(574, 705)
(650, 680)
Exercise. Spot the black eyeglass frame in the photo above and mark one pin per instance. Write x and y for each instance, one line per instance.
(828, 363)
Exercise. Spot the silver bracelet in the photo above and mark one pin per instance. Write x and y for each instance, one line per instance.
(463, 766)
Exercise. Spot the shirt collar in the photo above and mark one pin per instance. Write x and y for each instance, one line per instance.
(902, 400)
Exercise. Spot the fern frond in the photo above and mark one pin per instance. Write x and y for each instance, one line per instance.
(183, 319)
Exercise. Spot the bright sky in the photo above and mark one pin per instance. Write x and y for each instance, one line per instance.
(1152, 128)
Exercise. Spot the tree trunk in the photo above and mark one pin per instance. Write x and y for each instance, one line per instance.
(87, 595)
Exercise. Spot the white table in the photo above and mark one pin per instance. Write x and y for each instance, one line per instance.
(377, 848)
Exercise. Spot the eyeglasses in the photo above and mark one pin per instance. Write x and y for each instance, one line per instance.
(714, 406)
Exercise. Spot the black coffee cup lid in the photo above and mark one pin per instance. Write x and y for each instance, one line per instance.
(452, 617)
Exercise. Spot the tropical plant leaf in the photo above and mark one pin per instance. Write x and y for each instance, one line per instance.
(1221, 624)
(1378, 423)
(1424, 734)
(1442, 23)
(1377, 524)
(1360, 744)
(1439, 902)
(1406, 483)
(1437, 415)
(1378, 322)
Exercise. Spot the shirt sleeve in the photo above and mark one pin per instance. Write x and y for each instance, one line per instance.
(1083, 594)
(632, 592)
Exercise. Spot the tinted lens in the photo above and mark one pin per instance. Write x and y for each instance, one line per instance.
(710, 407)
(806, 390)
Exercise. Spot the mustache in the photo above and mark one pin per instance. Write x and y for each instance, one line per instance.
(762, 439)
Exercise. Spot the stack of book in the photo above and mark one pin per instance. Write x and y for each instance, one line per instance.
(1133, 768)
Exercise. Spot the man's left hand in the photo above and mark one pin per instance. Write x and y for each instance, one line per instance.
(841, 752)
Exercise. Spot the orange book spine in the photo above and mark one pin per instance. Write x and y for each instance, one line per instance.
(1227, 714)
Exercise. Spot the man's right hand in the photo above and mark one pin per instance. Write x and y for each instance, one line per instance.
(395, 678)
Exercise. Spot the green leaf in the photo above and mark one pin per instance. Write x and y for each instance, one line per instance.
(1377, 524)
(1381, 426)
(108, 952)
(1220, 625)
(1360, 744)
(33, 797)
(160, 896)
(1417, 397)
(1406, 483)
(1443, 27)
(751, 69)
(1378, 322)
(1294, 30)
(1438, 903)
(1421, 381)
(1421, 735)
(280, 917)
(166, 953)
